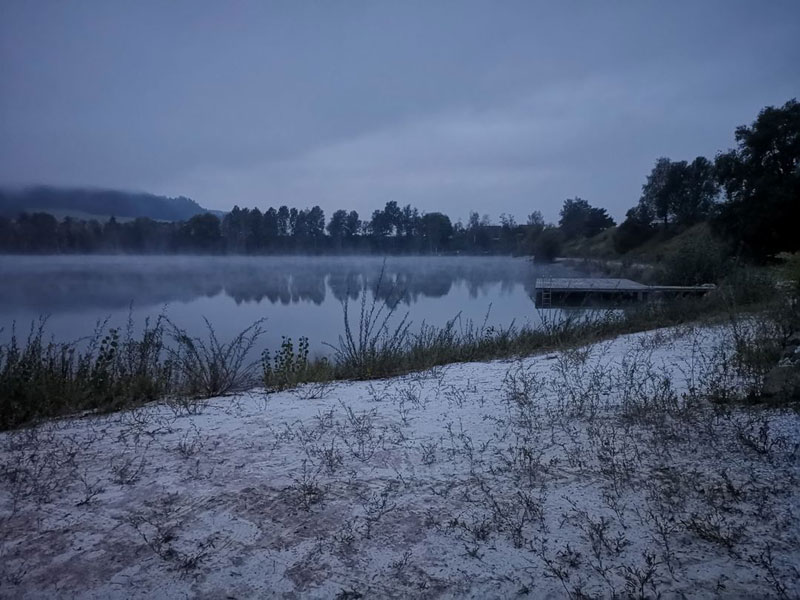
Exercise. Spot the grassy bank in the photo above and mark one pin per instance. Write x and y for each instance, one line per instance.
(376, 343)
(693, 256)
(114, 369)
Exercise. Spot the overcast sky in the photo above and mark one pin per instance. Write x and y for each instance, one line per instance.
(450, 106)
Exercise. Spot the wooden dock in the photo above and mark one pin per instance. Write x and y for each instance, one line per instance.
(562, 291)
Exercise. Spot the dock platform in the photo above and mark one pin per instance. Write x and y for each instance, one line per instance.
(567, 291)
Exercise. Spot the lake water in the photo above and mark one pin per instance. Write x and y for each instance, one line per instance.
(299, 296)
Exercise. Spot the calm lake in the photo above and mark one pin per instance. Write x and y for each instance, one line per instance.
(298, 295)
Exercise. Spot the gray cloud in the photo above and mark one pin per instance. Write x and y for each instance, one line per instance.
(494, 107)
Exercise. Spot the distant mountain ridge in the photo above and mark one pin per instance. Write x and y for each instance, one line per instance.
(97, 202)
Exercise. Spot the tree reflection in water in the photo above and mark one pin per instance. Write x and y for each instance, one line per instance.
(49, 284)
(298, 295)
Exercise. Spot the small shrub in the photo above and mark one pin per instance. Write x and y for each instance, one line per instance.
(208, 368)
(287, 367)
(373, 348)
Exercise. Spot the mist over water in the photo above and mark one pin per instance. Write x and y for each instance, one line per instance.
(298, 295)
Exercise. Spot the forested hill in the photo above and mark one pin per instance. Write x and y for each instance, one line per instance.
(96, 202)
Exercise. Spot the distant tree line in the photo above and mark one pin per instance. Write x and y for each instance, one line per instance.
(750, 195)
(393, 229)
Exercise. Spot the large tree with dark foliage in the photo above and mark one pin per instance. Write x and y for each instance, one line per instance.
(352, 224)
(679, 192)
(579, 218)
(761, 180)
(700, 192)
(337, 227)
(436, 231)
(381, 224)
(661, 191)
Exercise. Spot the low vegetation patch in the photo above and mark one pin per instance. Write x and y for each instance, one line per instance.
(41, 378)
(114, 369)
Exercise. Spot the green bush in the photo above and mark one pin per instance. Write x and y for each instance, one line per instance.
(547, 245)
(632, 233)
(695, 262)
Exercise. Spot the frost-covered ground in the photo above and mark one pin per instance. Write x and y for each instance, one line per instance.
(593, 472)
